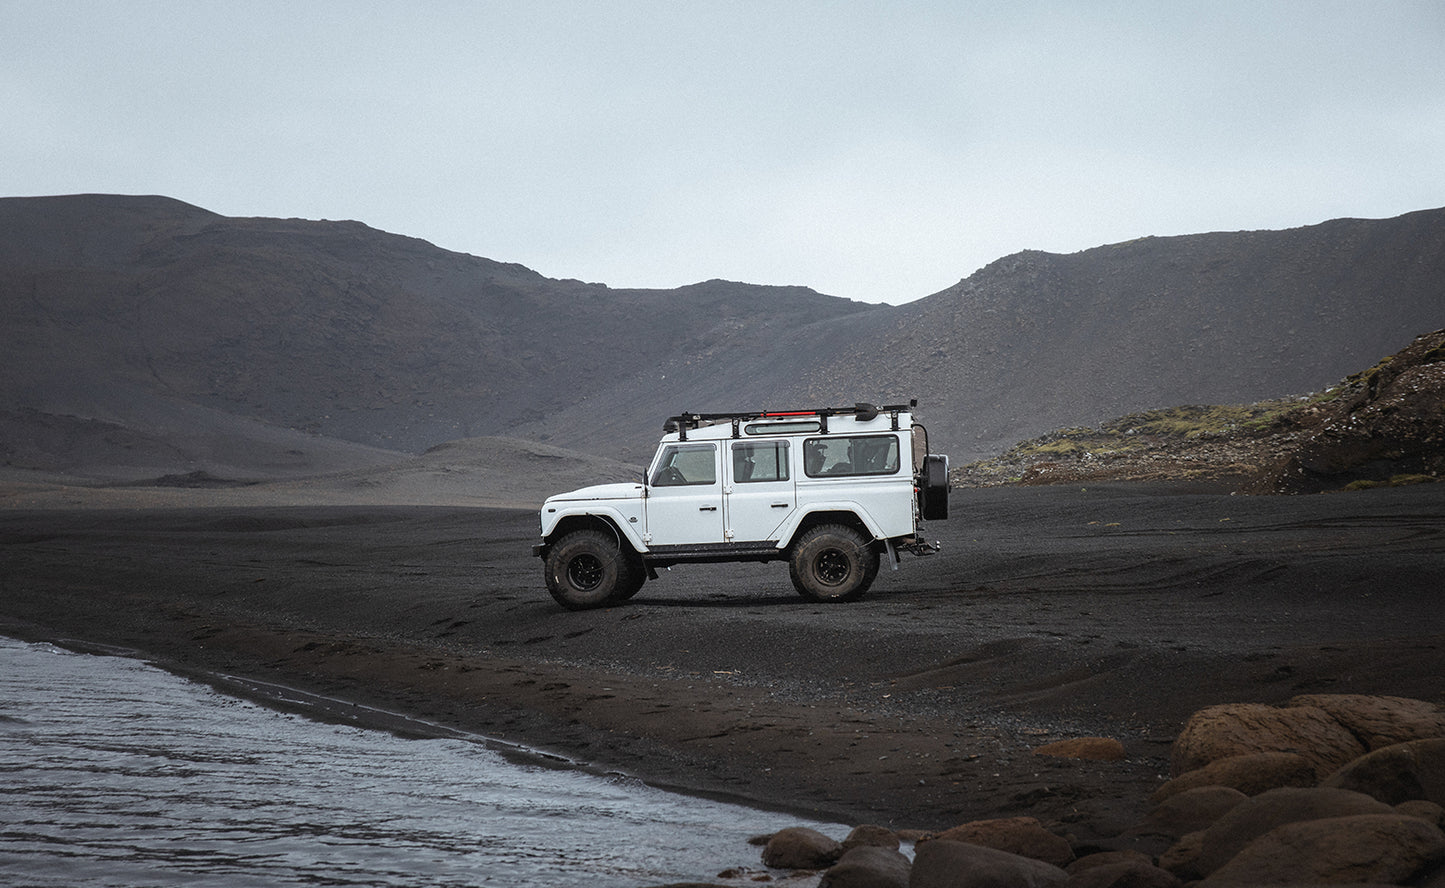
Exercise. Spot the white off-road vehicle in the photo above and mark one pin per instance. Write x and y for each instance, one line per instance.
(832, 490)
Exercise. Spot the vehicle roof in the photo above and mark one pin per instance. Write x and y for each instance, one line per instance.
(797, 425)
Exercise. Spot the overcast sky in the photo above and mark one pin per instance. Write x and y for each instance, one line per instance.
(877, 151)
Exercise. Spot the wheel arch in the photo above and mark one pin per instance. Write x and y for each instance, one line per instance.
(843, 516)
(592, 521)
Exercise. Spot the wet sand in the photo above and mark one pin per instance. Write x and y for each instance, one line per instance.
(1051, 613)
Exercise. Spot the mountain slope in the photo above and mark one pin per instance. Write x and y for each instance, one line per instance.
(328, 327)
(1037, 341)
(134, 310)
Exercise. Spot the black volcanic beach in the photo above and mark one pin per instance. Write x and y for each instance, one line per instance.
(1052, 612)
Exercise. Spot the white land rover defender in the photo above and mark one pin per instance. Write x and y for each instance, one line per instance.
(831, 490)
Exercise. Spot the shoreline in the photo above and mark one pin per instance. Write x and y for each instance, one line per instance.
(318, 707)
(341, 711)
(916, 708)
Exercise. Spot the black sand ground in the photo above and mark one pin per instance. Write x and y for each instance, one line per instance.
(1051, 613)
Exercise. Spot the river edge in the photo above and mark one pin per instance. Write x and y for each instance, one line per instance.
(729, 756)
(128, 772)
(917, 708)
(339, 711)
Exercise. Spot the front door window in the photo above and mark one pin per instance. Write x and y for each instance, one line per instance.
(684, 496)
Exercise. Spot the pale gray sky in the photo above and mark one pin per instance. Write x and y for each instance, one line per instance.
(878, 151)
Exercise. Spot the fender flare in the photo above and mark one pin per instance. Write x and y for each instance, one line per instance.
(625, 530)
(788, 530)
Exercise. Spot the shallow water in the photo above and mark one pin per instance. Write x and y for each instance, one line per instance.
(116, 773)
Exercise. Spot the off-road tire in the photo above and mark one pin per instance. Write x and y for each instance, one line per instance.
(832, 562)
(637, 576)
(586, 569)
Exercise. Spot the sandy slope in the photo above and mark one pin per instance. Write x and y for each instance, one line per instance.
(497, 472)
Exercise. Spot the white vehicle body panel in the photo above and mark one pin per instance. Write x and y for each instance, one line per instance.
(726, 484)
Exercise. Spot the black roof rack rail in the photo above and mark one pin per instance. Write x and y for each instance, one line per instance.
(686, 420)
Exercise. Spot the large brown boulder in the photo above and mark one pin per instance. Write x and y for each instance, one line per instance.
(943, 863)
(868, 866)
(1380, 721)
(1183, 858)
(1251, 774)
(1426, 811)
(1128, 874)
(1254, 817)
(1388, 849)
(1218, 732)
(1190, 811)
(1023, 836)
(1399, 773)
(799, 847)
(869, 835)
(1106, 858)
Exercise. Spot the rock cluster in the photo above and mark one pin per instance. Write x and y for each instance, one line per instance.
(1395, 424)
(1324, 790)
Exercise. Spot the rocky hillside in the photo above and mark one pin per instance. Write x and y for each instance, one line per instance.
(1382, 426)
(134, 322)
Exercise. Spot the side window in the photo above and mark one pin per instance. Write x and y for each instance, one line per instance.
(760, 461)
(856, 455)
(686, 464)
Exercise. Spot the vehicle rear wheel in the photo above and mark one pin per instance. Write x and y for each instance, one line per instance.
(833, 562)
(586, 569)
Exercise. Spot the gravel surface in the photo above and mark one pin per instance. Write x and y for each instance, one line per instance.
(1051, 612)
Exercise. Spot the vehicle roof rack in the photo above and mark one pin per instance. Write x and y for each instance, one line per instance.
(686, 420)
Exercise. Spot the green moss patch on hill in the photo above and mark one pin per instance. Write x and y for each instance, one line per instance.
(1384, 426)
(1223, 444)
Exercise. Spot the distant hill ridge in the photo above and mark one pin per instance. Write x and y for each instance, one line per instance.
(141, 311)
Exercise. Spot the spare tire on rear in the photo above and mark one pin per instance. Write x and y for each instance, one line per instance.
(933, 488)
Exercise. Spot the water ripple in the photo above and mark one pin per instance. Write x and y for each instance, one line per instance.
(120, 774)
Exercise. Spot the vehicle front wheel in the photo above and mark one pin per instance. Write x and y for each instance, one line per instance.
(833, 562)
(633, 585)
(586, 569)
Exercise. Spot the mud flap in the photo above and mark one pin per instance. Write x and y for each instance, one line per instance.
(892, 552)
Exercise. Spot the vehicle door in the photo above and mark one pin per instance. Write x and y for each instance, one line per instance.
(684, 496)
(758, 494)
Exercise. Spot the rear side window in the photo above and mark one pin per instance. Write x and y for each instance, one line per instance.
(686, 464)
(852, 455)
(761, 461)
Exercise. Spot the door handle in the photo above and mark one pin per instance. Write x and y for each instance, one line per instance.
(781, 505)
(707, 508)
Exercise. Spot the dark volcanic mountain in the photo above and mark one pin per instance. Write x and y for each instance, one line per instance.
(131, 322)
(130, 310)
